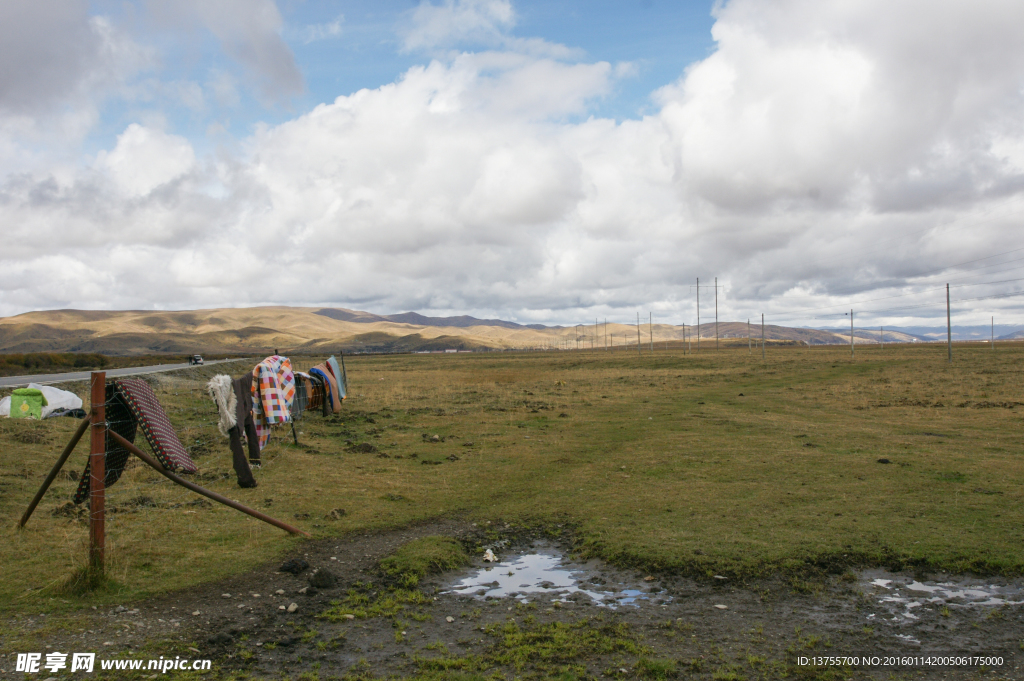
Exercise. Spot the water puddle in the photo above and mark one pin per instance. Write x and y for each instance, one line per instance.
(900, 595)
(544, 575)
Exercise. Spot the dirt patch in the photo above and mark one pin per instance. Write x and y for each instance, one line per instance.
(341, 614)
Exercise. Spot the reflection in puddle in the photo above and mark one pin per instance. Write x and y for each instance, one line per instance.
(900, 595)
(544, 576)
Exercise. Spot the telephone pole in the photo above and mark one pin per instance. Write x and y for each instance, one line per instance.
(716, 314)
(949, 329)
(698, 315)
(851, 333)
(762, 336)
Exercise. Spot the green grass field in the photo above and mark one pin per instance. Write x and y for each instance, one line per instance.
(700, 464)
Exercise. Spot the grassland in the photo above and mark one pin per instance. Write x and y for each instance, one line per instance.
(716, 463)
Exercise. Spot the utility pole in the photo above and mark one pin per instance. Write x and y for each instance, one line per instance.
(762, 336)
(698, 315)
(949, 329)
(851, 333)
(638, 346)
(993, 332)
(881, 335)
(749, 350)
(716, 314)
(650, 328)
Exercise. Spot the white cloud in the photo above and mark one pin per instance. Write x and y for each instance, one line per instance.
(325, 31)
(57, 66)
(145, 159)
(825, 148)
(249, 32)
(479, 22)
(454, 24)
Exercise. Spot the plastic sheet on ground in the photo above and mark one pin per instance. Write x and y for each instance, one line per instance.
(55, 399)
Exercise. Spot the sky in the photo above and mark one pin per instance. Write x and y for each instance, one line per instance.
(537, 161)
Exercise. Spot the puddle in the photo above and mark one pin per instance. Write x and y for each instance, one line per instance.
(901, 595)
(546, 576)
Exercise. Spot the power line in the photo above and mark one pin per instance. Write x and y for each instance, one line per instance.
(1010, 294)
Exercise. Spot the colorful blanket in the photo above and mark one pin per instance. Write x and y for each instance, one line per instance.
(273, 390)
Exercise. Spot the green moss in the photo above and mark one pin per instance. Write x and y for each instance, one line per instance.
(420, 557)
(362, 605)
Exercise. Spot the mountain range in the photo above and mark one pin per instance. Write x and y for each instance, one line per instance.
(299, 330)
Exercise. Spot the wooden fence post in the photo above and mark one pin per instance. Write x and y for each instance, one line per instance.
(97, 470)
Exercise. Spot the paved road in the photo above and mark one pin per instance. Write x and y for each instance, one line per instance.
(43, 379)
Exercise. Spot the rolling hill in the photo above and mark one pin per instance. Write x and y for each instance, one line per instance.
(313, 330)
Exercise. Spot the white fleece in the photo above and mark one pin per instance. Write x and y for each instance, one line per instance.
(223, 395)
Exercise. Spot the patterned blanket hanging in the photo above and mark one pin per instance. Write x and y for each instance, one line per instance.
(131, 403)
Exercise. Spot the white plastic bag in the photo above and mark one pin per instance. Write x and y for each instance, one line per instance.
(55, 398)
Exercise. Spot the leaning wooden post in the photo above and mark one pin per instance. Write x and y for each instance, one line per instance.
(97, 469)
(155, 465)
(55, 470)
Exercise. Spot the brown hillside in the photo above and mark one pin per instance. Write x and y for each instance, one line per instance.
(297, 329)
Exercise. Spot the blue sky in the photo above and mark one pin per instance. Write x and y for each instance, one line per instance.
(536, 161)
(342, 47)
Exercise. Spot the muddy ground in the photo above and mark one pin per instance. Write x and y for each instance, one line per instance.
(681, 628)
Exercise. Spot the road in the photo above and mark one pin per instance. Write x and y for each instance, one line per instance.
(44, 379)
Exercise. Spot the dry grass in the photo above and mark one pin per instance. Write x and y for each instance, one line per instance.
(659, 462)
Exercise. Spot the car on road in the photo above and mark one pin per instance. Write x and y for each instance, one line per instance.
(195, 359)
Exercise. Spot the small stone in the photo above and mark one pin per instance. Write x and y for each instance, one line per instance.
(648, 578)
(255, 595)
(281, 607)
(108, 643)
(280, 592)
(240, 606)
(303, 589)
(195, 613)
(293, 607)
(720, 577)
(225, 595)
(449, 619)
(721, 607)
(350, 617)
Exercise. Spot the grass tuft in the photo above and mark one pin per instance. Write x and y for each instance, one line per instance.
(420, 557)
